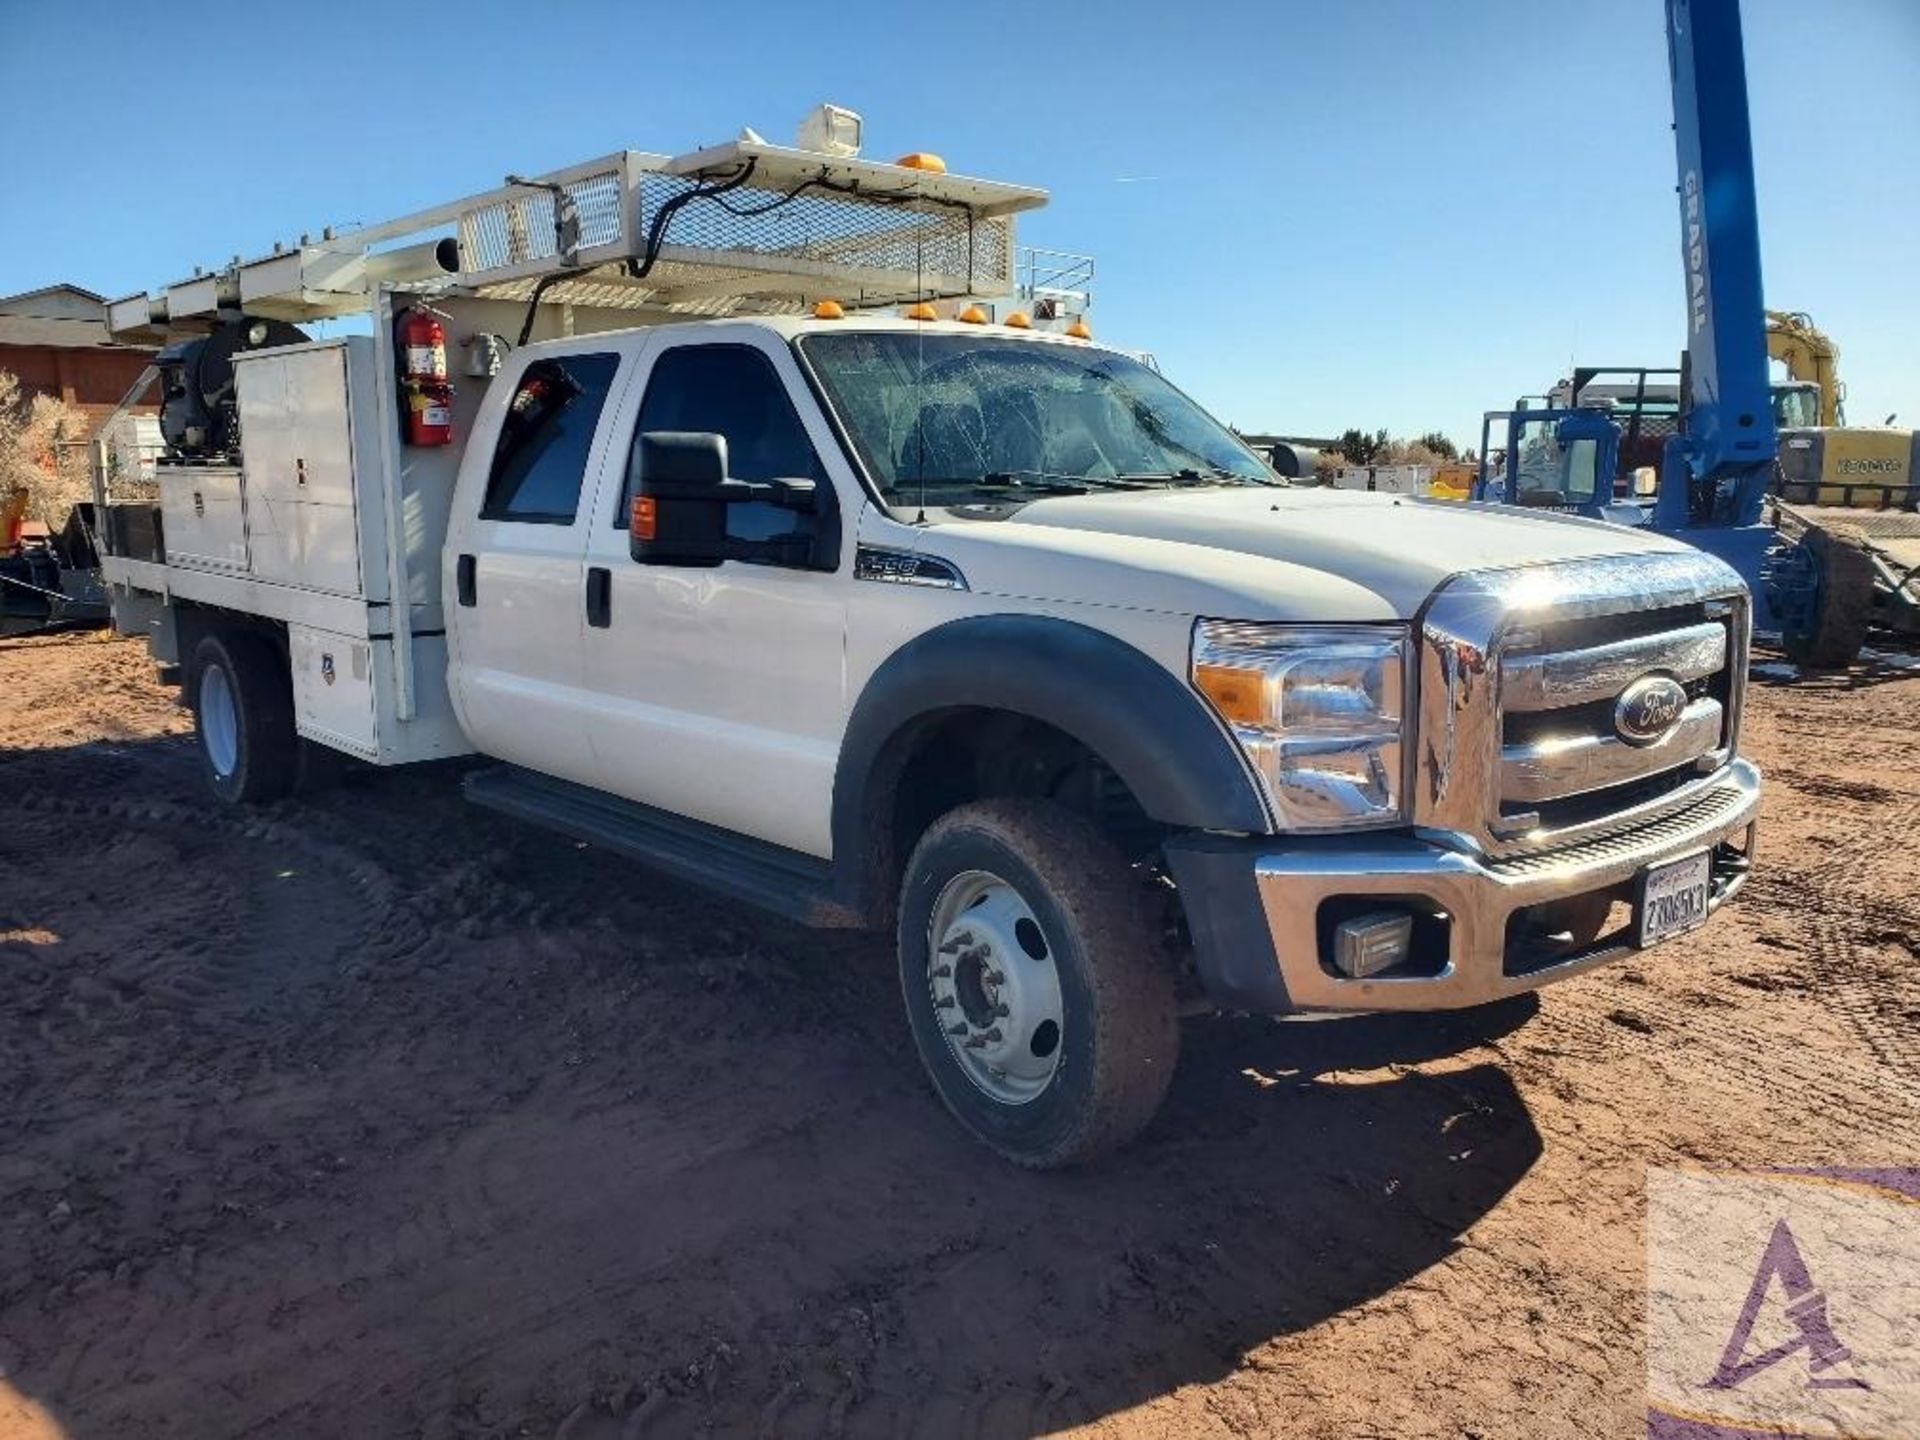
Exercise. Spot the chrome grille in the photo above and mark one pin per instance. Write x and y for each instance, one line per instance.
(1558, 737)
(1520, 673)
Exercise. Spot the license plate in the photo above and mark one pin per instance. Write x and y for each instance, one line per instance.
(1673, 898)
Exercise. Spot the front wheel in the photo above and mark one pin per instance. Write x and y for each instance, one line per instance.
(1038, 997)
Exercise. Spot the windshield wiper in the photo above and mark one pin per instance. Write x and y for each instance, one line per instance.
(1212, 475)
(1057, 480)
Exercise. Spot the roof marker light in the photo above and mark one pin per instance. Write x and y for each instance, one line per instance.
(829, 310)
(1080, 330)
(973, 315)
(922, 311)
(1018, 321)
(922, 160)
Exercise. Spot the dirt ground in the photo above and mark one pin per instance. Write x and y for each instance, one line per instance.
(373, 1114)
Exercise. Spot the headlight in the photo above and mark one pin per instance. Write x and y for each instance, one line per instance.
(1318, 709)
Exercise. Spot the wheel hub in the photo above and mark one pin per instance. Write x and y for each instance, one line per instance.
(995, 987)
(219, 721)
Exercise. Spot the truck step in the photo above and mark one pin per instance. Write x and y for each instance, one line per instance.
(784, 881)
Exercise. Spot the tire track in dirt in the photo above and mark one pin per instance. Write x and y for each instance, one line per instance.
(522, 1139)
(1861, 903)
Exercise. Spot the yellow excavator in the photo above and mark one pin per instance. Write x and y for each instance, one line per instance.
(1824, 460)
(1794, 340)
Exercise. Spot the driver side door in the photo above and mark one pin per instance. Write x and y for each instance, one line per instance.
(720, 693)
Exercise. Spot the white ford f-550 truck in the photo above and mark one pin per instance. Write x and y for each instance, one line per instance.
(970, 629)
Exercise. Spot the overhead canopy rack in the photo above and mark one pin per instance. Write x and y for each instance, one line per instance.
(745, 227)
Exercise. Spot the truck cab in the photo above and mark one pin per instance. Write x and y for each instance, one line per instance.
(1007, 643)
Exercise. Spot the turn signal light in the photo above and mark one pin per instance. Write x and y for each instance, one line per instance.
(646, 516)
(1239, 695)
(829, 310)
(1018, 321)
(921, 160)
(973, 315)
(922, 311)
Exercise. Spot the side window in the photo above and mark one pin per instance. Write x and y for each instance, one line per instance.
(732, 390)
(541, 460)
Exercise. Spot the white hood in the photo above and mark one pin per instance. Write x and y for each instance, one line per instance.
(1258, 552)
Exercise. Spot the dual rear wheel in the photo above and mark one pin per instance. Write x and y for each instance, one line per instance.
(243, 712)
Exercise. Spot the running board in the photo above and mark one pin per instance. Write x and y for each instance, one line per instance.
(784, 881)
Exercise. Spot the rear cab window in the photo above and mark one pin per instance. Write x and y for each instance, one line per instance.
(540, 461)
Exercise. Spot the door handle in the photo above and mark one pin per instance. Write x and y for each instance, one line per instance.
(463, 579)
(599, 596)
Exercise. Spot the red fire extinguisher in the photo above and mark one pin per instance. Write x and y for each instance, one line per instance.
(426, 393)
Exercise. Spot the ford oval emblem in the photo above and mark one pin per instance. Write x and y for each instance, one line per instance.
(1649, 708)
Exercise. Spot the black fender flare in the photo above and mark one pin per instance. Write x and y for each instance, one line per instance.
(1155, 733)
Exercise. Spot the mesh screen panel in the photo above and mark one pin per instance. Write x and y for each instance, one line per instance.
(755, 247)
(828, 227)
(520, 228)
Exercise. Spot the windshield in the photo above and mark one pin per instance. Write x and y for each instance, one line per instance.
(1796, 407)
(965, 418)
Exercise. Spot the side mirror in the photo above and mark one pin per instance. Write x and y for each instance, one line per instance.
(681, 492)
(679, 510)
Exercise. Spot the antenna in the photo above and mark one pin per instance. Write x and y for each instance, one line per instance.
(920, 374)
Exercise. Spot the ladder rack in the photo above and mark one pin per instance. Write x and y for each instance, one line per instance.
(745, 227)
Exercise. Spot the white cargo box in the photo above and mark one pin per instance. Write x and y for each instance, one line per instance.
(344, 696)
(203, 516)
(310, 442)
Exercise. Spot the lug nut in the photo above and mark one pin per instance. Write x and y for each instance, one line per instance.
(960, 1029)
(965, 937)
(941, 972)
(984, 1038)
(994, 977)
(945, 1002)
(1001, 1012)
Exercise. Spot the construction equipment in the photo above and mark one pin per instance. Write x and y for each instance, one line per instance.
(1550, 457)
(1816, 581)
(1794, 340)
(1823, 460)
(47, 581)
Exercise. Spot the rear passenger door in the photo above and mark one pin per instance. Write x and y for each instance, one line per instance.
(516, 567)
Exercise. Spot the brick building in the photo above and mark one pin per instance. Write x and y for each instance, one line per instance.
(55, 339)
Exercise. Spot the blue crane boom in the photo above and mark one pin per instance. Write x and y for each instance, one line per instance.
(1730, 441)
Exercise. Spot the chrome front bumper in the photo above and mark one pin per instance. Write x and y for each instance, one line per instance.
(1273, 956)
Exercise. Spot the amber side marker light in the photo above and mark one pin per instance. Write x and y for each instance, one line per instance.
(829, 310)
(1239, 695)
(646, 515)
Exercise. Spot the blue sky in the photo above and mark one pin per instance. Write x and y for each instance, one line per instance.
(1381, 212)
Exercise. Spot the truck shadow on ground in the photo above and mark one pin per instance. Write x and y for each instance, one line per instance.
(380, 1116)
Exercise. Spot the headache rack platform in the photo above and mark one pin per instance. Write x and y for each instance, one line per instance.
(741, 228)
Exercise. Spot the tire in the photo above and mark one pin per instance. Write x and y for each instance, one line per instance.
(243, 716)
(1838, 628)
(1095, 1081)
